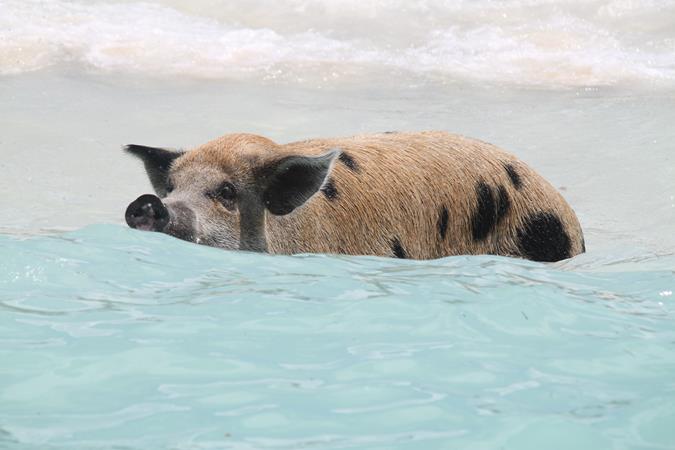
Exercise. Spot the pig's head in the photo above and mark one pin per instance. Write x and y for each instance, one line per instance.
(219, 193)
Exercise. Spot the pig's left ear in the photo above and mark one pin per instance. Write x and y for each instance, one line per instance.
(157, 162)
(292, 180)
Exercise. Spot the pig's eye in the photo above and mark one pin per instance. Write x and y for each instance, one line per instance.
(225, 194)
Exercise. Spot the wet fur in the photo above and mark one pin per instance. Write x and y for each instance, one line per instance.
(417, 195)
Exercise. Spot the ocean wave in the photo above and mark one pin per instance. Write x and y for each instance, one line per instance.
(556, 42)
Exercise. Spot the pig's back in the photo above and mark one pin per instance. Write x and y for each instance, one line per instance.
(427, 195)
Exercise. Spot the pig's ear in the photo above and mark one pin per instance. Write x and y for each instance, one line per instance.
(157, 162)
(291, 181)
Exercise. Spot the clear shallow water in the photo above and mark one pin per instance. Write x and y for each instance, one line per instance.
(113, 338)
(117, 339)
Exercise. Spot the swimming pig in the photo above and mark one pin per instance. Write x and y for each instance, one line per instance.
(407, 195)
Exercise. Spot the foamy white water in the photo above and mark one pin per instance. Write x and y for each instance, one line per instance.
(549, 43)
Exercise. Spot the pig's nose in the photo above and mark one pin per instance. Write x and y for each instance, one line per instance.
(148, 213)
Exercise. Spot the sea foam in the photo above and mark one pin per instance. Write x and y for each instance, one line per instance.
(556, 42)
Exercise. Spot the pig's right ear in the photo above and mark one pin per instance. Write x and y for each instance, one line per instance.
(157, 162)
(292, 180)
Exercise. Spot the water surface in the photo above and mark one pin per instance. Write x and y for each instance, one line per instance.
(112, 338)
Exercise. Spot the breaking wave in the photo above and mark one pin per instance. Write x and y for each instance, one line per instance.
(554, 43)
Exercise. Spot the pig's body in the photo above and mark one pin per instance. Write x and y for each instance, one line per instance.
(423, 195)
(407, 195)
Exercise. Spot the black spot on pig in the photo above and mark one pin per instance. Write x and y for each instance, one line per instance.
(503, 203)
(349, 161)
(513, 175)
(543, 238)
(490, 210)
(443, 222)
(398, 249)
(329, 190)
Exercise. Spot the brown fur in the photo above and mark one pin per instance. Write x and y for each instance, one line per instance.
(402, 183)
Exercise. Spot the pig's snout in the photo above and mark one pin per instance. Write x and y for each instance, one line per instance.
(147, 213)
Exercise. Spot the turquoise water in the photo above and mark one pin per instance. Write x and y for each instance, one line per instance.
(118, 339)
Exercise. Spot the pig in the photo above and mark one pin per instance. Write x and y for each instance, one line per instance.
(418, 195)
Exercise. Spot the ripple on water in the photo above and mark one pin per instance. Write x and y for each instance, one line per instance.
(113, 338)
